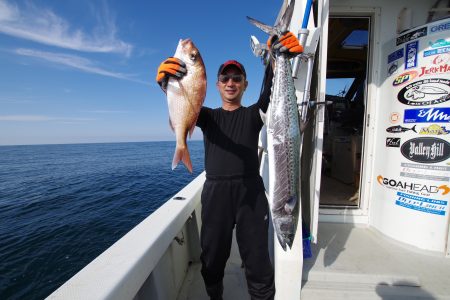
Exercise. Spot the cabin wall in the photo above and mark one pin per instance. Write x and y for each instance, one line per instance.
(390, 219)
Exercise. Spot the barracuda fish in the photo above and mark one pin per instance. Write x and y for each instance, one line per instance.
(283, 142)
(185, 98)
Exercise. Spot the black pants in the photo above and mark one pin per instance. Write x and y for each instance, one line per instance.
(241, 202)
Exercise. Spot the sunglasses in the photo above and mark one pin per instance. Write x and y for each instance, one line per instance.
(236, 78)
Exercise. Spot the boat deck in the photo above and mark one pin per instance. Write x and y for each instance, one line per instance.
(348, 263)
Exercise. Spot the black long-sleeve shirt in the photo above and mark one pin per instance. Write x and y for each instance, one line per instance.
(231, 137)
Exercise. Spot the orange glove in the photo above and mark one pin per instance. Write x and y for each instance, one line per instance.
(287, 43)
(170, 67)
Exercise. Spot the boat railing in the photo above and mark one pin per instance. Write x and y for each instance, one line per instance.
(150, 261)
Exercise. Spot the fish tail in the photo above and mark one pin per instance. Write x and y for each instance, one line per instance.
(182, 154)
(414, 129)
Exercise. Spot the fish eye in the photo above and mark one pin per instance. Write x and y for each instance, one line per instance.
(193, 56)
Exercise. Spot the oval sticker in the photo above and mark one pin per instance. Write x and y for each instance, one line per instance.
(426, 150)
(425, 92)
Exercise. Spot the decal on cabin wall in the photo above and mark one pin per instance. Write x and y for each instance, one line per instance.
(412, 35)
(425, 176)
(426, 167)
(393, 142)
(411, 55)
(400, 129)
(436, 51)
(412, 187)
(426, 205)
(395, 55)
(426, 150)
(425, 92)
(394, 117)
(392, 68)
(433, 29)
(439, 43)
(405, 77)
(427, 115)
(434, 129)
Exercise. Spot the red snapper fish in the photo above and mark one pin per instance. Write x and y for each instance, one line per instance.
(185, 98)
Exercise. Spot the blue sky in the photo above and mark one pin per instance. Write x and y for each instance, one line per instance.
(77, 71)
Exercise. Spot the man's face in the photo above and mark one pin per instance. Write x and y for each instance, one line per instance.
(230, 86)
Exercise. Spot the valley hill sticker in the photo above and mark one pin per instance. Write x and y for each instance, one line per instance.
(425, 92)
(426, 150)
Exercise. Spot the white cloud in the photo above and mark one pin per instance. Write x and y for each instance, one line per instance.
(40, 118)
(44, 26)
(73, 61)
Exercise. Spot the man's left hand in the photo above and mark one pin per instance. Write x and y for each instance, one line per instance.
(287, 43)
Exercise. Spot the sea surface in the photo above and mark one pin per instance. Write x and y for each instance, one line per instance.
(63, 205)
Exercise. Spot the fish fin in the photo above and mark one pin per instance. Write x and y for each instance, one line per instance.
(171, 125)
(290, 204)
(263, 116)
(414, 129)
(270, 30)
(182, 154)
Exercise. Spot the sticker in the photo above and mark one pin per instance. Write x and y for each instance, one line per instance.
(411, 35)
(395, 55)
(394, 117)
(424, 172)
(426, 150)
(434, 70)
(405, 77)
(411, 55)
(427, 115)
(439, 43)
(413, 187)
(426, 205)
(400, 129)
(425, 92)
(441, 59)
(424, 176)
(434, 129)
(439, 27)
(393, 142)
(426, 167)
(392, 68)
(436, 51)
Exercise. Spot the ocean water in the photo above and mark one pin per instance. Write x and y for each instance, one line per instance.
(63, 205)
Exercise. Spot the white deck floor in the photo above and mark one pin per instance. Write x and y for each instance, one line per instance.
(349, 263)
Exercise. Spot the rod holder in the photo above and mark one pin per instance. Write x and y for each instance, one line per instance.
(302, 36)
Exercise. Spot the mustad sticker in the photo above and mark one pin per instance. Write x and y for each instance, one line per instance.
(426, 150)
(427, 115)
(393, 142)
(425, 92)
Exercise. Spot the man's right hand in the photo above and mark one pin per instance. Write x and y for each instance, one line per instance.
(170, 67)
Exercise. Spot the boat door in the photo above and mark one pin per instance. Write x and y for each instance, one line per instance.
(342, 123)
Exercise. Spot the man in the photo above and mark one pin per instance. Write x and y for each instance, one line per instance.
(233, 193)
